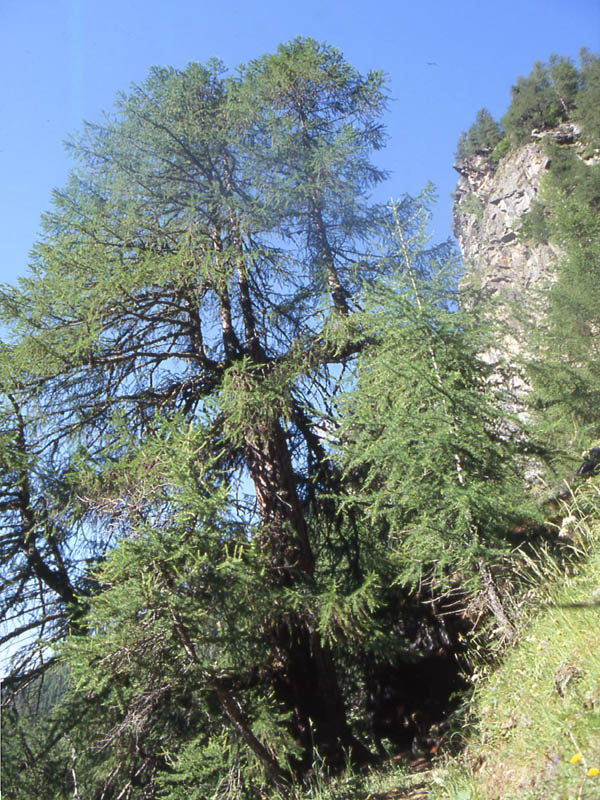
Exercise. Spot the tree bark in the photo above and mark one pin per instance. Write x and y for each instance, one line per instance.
(307, 684)
(284, 534)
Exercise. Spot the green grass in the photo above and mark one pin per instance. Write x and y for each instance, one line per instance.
(540, 710)
(532, 729)
(392, 782)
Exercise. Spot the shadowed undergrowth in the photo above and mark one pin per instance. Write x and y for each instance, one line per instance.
(532, 727)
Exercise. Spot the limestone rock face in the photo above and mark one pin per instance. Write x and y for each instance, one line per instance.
(500, 269)
(504, 275)
(489, 204)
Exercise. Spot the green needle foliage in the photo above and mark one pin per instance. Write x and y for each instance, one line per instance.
(566, 380)
(166, 364)
(587, 100)
(564, 370)
(245, 433)
(541, 100)
(179, 651)
(428, 445)
(482, 137)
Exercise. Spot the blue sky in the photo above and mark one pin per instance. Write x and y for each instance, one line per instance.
(65, 60)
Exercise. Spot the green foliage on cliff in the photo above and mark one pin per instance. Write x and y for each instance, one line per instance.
(483, 135)
(541, 100)
(555, 91)
(566, 375)
(564, 371)
(587, 104)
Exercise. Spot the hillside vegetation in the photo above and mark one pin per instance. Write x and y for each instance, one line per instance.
(264, 530)
(534, 722)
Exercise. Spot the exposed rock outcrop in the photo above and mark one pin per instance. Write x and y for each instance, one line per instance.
(490, 202)
(505, 275)
(489, 205)
(500, 268)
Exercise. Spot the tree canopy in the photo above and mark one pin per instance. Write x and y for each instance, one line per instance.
(248, 445)
(482, 137)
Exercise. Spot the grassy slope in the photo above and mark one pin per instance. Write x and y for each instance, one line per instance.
(540, 710)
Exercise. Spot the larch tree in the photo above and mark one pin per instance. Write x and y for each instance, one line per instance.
(195, 283)
(221, 556)
(431, 451)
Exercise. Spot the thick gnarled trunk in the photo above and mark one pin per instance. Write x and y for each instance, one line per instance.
(307, 685)
(284, 534)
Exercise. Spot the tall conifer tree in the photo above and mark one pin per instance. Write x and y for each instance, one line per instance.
(197, 273)
(427, 440)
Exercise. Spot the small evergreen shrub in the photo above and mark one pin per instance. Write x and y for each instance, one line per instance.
(483, 135)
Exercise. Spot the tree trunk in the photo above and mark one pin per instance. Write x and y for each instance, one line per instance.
(307, 682)
(284, 535)
(308, 685)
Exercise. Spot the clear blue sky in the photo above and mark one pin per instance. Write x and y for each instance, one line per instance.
(65, 60)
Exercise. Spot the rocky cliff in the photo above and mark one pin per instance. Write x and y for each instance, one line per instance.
(501, 266)
(489, 204)
(504, 274)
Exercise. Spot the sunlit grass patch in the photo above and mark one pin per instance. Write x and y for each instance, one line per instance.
(535, 729)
